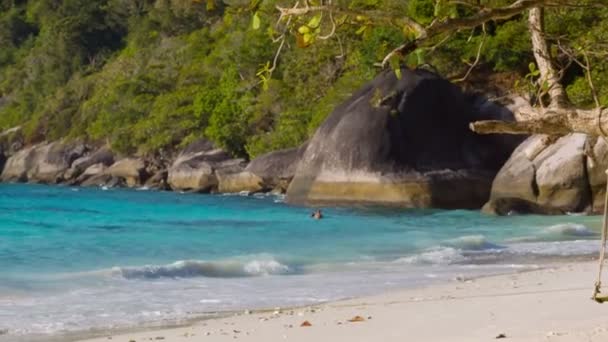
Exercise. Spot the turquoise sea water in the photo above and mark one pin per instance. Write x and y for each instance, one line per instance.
(85, 259)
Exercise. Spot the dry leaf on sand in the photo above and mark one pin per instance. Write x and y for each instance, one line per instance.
(306, 324)
(357, 319)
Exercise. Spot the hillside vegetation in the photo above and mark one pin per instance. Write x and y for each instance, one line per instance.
(153, 75)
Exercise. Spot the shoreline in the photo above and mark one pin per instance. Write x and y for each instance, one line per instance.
(549, 304)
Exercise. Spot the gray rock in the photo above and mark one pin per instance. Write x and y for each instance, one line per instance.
(276, 168)
(597, 164)
(102, 156)
(44, 163)
(515, 184)
(131, 170)
(192, 177)
(53, 160)
(403, 142)
(17, 166)
(561, 176)
(196, 167)
(239, 182)
(158, 181)
(94, 170)
(544, 178)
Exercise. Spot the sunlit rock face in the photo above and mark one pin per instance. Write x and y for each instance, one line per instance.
(404, 142)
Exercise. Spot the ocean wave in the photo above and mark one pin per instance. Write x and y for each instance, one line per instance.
(558, 232)
(435, 256)
(471, 242)
(460, 250)
(520, 252)
(569, 230)
(199, 268)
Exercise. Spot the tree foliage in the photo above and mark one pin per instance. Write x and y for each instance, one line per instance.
(147, 75)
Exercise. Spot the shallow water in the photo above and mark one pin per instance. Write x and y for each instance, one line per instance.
(81, 259)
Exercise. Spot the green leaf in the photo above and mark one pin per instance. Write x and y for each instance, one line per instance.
(307, 38)
(361, 30)
(303, 29)
(395, 63)
(271, 32)
(420, 56)
(315, 21)
(532, 67)
(256, 22)
(545, 86)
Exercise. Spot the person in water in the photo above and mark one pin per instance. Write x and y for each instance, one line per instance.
(317, 214)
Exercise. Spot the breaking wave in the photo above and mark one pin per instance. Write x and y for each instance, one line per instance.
(474, 250)
(472, 242)
(435, 256)
(199, 268)
(569, 230)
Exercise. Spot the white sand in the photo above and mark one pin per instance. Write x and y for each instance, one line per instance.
(547, 305)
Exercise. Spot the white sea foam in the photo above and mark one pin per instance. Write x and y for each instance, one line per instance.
(199, 268)
(190, 288)
(569, 230)
(472, 242)
(558, 232)
(435, 256)
(475, 250)
(555, 248)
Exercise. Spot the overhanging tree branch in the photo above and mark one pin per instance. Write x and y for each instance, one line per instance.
(561, 122)
(558, 120)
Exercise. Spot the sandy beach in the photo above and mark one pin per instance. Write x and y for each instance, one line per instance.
(552, 304)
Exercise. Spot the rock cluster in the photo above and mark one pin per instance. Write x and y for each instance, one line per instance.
(545, 177)
(398, 141)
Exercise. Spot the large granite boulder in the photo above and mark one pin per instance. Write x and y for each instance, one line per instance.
(92, 175)
(547, 177)
(238, 182)
(103, 156)
(197, 166)
(18, 165)
(597, 164)
(403, 142)
(158, 181)
(44, 163)
(53, 160)
(131, 170)
(276, 169)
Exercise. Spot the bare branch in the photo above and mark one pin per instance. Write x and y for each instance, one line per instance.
(590, 80)
(455, 24)
(477, 58)
(333, 27)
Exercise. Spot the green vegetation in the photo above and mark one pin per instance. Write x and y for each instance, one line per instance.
(147, 75)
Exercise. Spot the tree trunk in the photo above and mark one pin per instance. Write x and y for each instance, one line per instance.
(559, 119)
(542, 54)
